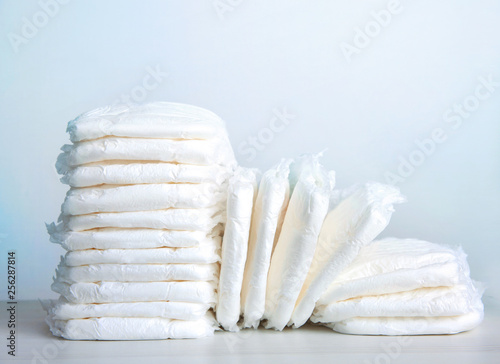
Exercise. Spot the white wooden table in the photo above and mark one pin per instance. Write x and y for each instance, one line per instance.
(308, 344)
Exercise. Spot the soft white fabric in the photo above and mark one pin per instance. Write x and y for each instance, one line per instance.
(126, 173)
(131, 328)
(435, 309)
(240, 197)
(63, 310)
(395, 265)
(196, 255)
(137, 272)
(143, 197)
(105, 292)
(409, 325)
(294, 250)
(198, 152)
(151, 120)
(204, 219)
(113, 238)
(142, 223)
(354, 223)
(422, 302)
(434, 275)
(268, 214)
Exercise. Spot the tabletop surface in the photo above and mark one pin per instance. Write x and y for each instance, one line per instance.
(35, 344)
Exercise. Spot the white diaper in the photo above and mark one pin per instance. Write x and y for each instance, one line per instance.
(127, 173)
(294, 250)
(145, 197)
(61, 309)
(113, 238)
(151, 120)
(198, 152)
(422, 302)
(267, 219)
(106, 292)
(198, 255)
(240, 197)
(352, 224)
(131, 328)
(409, 325)
(204, 219)
(137, 272)
(395, 265)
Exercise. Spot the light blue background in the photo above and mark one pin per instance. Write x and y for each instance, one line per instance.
(260, 56)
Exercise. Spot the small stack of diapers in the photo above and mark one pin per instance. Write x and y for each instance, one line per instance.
(141, 223)
(403, 287)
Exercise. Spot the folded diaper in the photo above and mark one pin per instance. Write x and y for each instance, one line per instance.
(294, 250)
(131, 328)
(113, 238)
(352, 224)
(144, 197)
(197, 255)
(203, 219)
(137, 272)
(395, 265)
(152, 120)
(240, 197)
(199, 152)
(409, 325)
(106, 292)
(130, 172)
(61, 309)
(268, 214)
(422, 302)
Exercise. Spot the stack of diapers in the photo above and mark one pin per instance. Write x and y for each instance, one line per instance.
(141, 223)
(402, 287)
(162, 228)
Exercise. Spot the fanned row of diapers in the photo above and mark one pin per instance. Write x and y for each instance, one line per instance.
(163, 229)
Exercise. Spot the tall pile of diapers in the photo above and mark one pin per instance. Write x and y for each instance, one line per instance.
(162, 228)
(141, 223)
